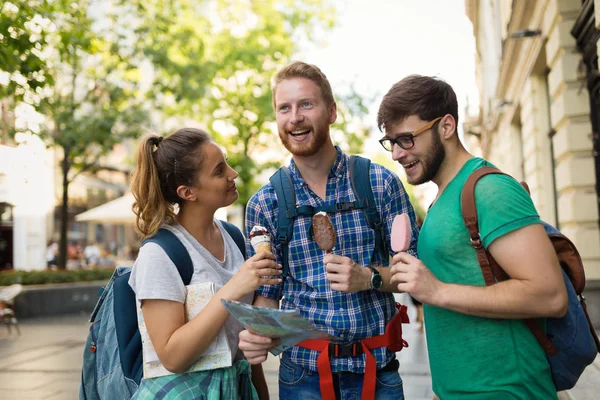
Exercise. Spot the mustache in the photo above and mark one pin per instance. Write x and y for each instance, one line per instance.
(302, 127)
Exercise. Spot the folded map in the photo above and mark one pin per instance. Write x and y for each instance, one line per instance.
(287, 325)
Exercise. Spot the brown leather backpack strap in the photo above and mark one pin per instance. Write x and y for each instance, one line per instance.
(489, 267)
(526, 187)
(541, 336)
(469, 212)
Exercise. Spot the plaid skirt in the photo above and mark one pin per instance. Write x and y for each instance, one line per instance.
(218, 384)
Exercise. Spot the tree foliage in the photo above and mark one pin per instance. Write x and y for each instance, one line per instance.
(24, 30)
(213, 63)
(90, 99)
(95, 66)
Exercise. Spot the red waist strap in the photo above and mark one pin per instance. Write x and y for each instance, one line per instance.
(392, 339)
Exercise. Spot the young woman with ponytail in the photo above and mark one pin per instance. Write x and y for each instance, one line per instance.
(189, 170)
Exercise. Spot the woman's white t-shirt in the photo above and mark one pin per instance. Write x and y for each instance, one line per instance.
(155, 276)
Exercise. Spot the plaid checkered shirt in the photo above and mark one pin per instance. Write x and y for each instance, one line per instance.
(216, 384)
(348, 316)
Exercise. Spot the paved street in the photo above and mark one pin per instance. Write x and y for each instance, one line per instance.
(45, 362)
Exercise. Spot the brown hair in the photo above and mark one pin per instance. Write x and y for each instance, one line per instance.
(425, 96)
(299, 69)
(162, 166)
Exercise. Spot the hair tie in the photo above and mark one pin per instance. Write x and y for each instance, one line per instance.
(157, 140)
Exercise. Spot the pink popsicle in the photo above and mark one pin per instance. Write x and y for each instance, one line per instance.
(401, 233)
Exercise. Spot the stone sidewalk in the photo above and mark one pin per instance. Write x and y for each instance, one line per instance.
(45, 362)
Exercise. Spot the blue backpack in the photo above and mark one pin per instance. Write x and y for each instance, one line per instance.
(360, 179)
(112, 357)
(570, 342)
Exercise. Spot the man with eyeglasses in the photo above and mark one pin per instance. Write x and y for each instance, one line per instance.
(478, 347)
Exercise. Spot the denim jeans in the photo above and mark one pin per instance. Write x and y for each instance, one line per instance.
(298, 383)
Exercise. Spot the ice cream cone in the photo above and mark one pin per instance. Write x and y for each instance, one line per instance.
(260, 239)
(263, 246)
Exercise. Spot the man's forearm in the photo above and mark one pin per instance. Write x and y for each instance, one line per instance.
(386, 276)
(508, 299)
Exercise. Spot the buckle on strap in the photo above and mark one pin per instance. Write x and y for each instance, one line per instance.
(476, 242)
(345, 205)
(350, 349)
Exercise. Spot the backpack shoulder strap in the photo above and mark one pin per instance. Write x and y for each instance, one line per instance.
(489, 267)
(237, 236)
(469, 212)
(359, 170)
(469, 209)
(176, 252)
(129, 341)
(286, 199)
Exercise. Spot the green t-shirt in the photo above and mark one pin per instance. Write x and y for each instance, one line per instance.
(473, 357)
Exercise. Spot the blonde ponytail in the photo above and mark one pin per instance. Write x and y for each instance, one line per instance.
(150, 207)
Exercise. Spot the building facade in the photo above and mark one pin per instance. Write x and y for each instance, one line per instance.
(539, 116)
(26, 200)
(31, 197)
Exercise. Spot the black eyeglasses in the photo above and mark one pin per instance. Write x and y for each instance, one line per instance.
(406, 140)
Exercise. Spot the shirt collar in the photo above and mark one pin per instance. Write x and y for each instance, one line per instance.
(337, 169)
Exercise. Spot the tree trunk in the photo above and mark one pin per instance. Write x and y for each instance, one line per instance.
(64, 212)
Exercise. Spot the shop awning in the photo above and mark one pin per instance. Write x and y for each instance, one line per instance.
(117, 211)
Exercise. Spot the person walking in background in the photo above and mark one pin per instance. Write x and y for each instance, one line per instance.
(347, 292)
(91, 252)
(52, 254)
(74, 256)
(478, 346)
(188, 169)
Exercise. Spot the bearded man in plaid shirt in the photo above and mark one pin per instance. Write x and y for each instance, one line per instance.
(336, 291)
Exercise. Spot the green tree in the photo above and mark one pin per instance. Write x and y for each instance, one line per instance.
(208, 61)
(24, 31)
(94, 101)
(213, 62)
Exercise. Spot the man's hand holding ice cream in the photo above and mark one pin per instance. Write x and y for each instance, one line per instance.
(344, 274)
(408, 272)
